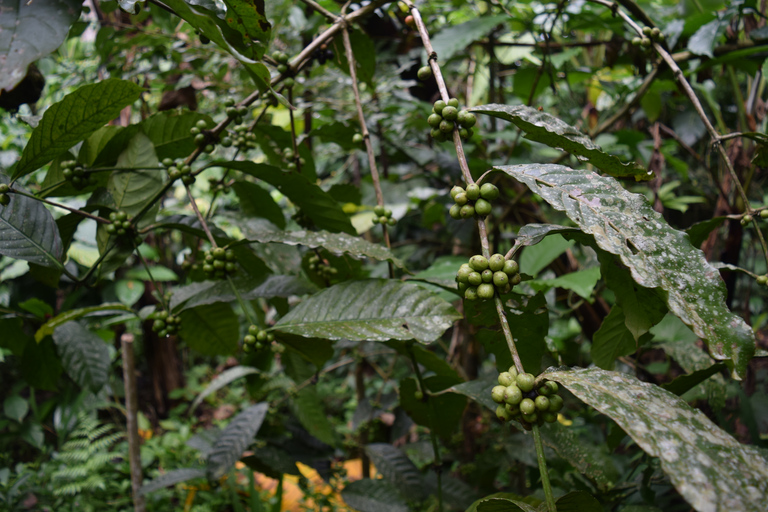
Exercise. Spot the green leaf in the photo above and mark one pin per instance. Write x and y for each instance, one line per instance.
(368, 495)
(212, 329)
(28, 232)
(169, 132)
(128, 291)
(702, 42)
(624, 224)
(307, 405)
(158, 273)
(48, 327)
(581, 282)
(684, 383)
(272, 461)
(376, 310)
(74, 118)
(313, 201)
(84, 355)
(258, 202)
(173, 477)
(133, 189)
(337, 243)
(41, 366)
(223, 379)
(365, 55)
(709, 468)
(700, 231)
(15, 408)
(397, 469)
(208, 292)
(578, 501)
(501, 502)
(454, 39)
(234, 439)
(612, 340)
(250, 20)
(547, 129)
(540, 251)
(478, 390)
(31, 31)
(441, 413)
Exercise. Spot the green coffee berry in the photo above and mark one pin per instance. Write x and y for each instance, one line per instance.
(446, 126)
(458, 190)
(542, 403)
(418, 395)
(455, 212)
(453, 102)
(511, 268)
(764, 214)
(485, 291)
(378, 210)
(487, 275)
(478, 263)
(461, 199)
(531, 418)
(513, 395)
(525, 382)
(646, 31)
(505, 379)
(555, 403)
(549, 417)
(502, 413)
(462, 275)
(467, 211)
(469, 120)
(527, 406)
(513, 371)
(497, 394)
(470, 293)
(483, 207)
(475, 278)
(473, 191)
(357, 139)
(500, 279)
(489, 191)
(424, 73)
(434, 120)
(645, 42)
(496, 262)
(762, 279)
(450, 113)
(439, 106)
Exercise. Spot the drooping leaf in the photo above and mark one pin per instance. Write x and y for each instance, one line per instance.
(208, 292)
(28, 232)
(256, 201)
(313, 201)
(85, 356)
(133, 189)
(337, 243)
(708, 467)
(225, 378)
(31, 31)
(478, 390)
(658, 256)
(271, 461)
(69, 121)
(540, 253)
(173, 477)
(307, 405)
(73, 314)
(211, 329)
(397, 469)
(369, 495)
(374, 309)
(234, 439)
(454, 39)
(612, 340)
(684, 383)
(548, 129)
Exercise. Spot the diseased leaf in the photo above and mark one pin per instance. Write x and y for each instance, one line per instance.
(84, 355)
(28, 232)
(624, 224)
(709, 468)
(234, 439)
(250, 20)
(397, 469)
(374, 309)
(211, 329)
(29, 31)
(222, 380)
(548, 129)
(173, 477)
(368, 495)
(72, 119)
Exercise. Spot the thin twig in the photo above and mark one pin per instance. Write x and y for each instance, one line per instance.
(59, 205)
(200, 217)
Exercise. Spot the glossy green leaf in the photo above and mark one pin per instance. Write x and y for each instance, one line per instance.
(69, 121)
(477, 390)
(373, 495)
(212, 329)
(453, 39)
(84, 355)
(208, 292)
(581, 282)
(684, 383)
(547, 129)
(222, 380)
(172, 477)
(133, 189)
(28, 232)
(539, 252)
(313, 201)
(397, 469)
(169, 132)
(257, 201)
(30, 31)
(374, 309)
(337, 243)
(73, 314)
(624, 224)
(612, 340)
(709, 468)
(234, 439)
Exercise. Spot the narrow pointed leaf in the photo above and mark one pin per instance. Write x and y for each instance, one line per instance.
(72, 119)
(172, 477)
(375, 309)
(397, 469)
(222, 380)
(208, 292)
(548, 129)
(28, 232)
(84, 355)
(658, 256)
(369, 495)
(234, 439)
(73, 314)
(709, 468)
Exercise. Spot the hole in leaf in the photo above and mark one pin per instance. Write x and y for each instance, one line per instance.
(631, 246)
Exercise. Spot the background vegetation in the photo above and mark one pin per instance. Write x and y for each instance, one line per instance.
(195, 285)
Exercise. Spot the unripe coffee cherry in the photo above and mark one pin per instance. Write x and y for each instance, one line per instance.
(434, 120)
(450, 113)
(453, 102)
(487, 275)
(496, 262)
(497, 394)
(485, 291)
(461, 199)
(475, 278)
(489, 191)
(513, 395)
(418, 395)
(473, 191)
(456, 191)
(462, 275)
(439, 106)
(542, 403)
(511, 267)
(467, 211)
(500, 279)
(762, 279)
(483, 207)
(424, 73)
(527, 406)
(506, 379)
(478, 263)
(446, 126)
(470, 293)
(555, 403)
(502, 413)
(455, 212)
(525, 382)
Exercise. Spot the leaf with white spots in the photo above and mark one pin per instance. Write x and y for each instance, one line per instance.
(709, 468)
(657, 256)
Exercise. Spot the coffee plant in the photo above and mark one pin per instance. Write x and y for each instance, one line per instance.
(406, 247)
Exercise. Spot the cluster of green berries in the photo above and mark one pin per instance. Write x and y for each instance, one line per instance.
(518, 399)
(244, 138)
(216, 185)
(165, 323)
(202, 139)
(474, 200)
(383, 216)
(446, 116)
(747, 218)
(282, 67)
(75, 174)
(219, 263)
(256, 338)
(321, 267)
(293, 159)
(5, 199)
(234, 112)
(178, 169)
(649, 35)
(482, 277)
(121, 226)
